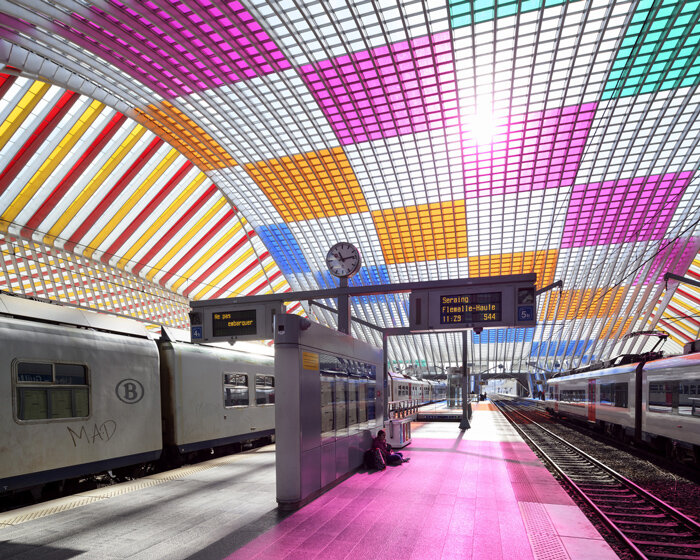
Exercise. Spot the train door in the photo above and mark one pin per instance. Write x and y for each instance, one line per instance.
(591, 400)
(556, 398)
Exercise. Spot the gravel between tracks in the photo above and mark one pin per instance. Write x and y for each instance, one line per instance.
(676, 490)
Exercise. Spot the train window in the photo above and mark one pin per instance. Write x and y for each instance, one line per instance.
(614, 394)
(51, 391)
(30, 372)
(264, 389)
(688, 403)
(573, 396)
(662, 396)
(70, 374)
(236, 392)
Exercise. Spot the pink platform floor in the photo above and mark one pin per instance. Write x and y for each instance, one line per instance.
(477, 494)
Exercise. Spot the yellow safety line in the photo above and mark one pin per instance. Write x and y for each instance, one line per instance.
(95, 183)
(59, 153)
(149, 234)
(195, 230)
(132, 201)
(185, 276)
(22, 111)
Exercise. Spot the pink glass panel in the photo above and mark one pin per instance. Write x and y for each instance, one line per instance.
(532, 151)
(623, 211)
(396, 89)
(666, 257)
(173, 41)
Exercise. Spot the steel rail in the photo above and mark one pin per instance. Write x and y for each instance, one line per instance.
(690, 527)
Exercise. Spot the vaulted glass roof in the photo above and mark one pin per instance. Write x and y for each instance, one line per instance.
(216, 149)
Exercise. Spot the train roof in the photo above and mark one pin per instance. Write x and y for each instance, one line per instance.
(49, 312)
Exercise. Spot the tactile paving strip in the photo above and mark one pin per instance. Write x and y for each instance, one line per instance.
(71, 502)
(42, 510)
(545, 543)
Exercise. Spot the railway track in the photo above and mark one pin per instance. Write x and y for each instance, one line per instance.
(646, 525)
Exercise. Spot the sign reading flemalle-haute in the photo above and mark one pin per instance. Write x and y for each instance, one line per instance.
(503, 301)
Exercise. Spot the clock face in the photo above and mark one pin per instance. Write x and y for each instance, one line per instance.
(343, 260)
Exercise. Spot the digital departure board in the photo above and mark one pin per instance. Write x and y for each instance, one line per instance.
(478, 303)
(470, 308)
(222, 321)
(234, 323)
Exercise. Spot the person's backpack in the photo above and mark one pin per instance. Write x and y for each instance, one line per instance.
(374, 460)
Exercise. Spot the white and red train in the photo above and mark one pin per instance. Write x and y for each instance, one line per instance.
(404, 388)
(657, 402)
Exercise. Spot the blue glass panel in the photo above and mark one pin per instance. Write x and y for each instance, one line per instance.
(280, 241)
(503, 335)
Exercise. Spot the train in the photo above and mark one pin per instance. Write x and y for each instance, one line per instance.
(86, 393)
(405, 388)
(654, 402)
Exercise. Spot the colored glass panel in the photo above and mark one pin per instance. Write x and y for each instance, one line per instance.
(490, 336)
(280, 241)
(426, 232)
(674, 257)
(560, 349)
(401, 88)
(581, 304)
(189, 138)
(308, 186)
(468, 12)
(659, 50)
(527, 152)
(543, 263)
(163, 42)
(622, 211)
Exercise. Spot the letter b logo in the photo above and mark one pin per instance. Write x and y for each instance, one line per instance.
(130, 391)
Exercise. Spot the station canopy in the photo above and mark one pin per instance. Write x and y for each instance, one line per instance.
(156, 152)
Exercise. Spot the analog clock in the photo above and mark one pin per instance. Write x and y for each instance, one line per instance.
(343, 260)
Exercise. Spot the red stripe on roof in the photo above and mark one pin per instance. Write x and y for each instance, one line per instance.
(683, 314)
(146, 212)
(174, 230)
(141, 161)
(77, 170)
(34, 142)
(265, 283)
(668, 326)
(221, 260)
(6, 81)
(238, 276)
(688, 295)
(174, 269)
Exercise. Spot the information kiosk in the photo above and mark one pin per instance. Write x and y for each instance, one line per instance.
(330, 404)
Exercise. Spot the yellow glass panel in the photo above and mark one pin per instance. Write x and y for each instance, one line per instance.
(582, 304)
(418, 233)
(185, 135)
(310, 186)
(543, 263)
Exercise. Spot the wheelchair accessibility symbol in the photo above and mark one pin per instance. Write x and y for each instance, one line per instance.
(196, 332)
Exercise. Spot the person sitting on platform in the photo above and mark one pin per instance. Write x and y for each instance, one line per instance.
(390, 457)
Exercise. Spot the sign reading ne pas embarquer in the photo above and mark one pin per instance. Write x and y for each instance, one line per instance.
(234, 323)
(470, 308)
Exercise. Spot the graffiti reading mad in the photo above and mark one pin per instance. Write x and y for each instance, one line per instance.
(97, 433)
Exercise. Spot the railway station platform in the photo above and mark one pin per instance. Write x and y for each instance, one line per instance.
(478, 494)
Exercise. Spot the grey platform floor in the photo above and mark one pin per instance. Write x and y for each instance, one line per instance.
(200, 512)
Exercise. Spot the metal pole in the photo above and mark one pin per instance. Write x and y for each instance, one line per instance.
(344, 309)
(466, 405)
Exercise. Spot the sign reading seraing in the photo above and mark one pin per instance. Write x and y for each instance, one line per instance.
(504, 301)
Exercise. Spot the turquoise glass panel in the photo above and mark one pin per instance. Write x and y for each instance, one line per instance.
(660, 50)
(467, 12)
